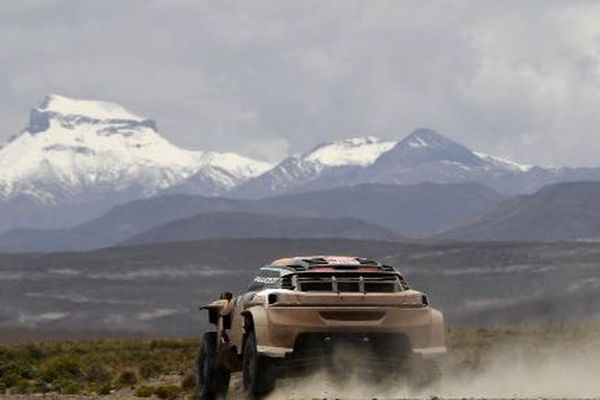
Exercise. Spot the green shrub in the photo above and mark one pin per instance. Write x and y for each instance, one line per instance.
(150, 369)
(41, 387)
(71, 388)
(144, 391)
(95, 366)
(19, 367)
(97, 373)
(63, 370)
(22, 387)
(127, 378)
(104, 389)
(33, 352)
(167, 392)
(11, 380)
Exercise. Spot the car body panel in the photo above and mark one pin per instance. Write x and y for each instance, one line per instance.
(282, 317)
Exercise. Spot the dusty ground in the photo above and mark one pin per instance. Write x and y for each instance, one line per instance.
(156, 290)
(558, 361)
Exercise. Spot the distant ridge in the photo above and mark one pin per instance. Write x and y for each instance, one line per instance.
(414, 210)
(246, 225)
(422, 156)
(77, 159)
(565, 211)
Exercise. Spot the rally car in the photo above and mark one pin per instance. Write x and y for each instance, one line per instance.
(299, 311)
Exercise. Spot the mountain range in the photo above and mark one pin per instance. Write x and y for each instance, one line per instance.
(245, 225)
(327, 165)
(422, 156)
(395, 210)
(565, 211)
(65, 179)
(432, 212)
(78, 158)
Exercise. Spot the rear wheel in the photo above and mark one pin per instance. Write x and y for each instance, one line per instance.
(212, 379)
(258, 371)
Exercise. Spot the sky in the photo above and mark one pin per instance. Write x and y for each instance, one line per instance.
(518, 79)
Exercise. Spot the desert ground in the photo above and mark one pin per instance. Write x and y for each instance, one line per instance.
(155, 291)
(529, 361)
(514, 311)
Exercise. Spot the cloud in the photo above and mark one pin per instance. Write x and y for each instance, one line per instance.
(519, 79)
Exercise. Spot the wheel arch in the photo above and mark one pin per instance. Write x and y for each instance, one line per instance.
(253, 317)
(438, 329)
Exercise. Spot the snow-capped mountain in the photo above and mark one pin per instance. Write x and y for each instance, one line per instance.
(361, 151)
(81, 151)
(219, 173)
(78, 158)
(328, 164)
(422, 156)
(426, 155)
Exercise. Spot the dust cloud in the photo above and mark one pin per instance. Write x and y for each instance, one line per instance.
(517, 370)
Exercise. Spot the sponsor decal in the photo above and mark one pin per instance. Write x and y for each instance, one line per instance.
(266, 281)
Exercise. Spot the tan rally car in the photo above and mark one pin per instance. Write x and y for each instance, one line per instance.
(298, 312)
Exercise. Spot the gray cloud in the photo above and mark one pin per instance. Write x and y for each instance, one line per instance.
(515, 78)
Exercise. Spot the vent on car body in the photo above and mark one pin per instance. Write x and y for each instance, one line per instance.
(316, 287)
(349, 284)
(365, 261)
(315, 261)
(352, 315)
(380, 287)
(286, 282)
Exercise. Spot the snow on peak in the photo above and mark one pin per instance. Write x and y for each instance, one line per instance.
(503, 163)
(240, 166)
(418, 143)
(72, 146)
(98, 110)
(359, 151)
(72, 113)
(427, 138)
(423, 138)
